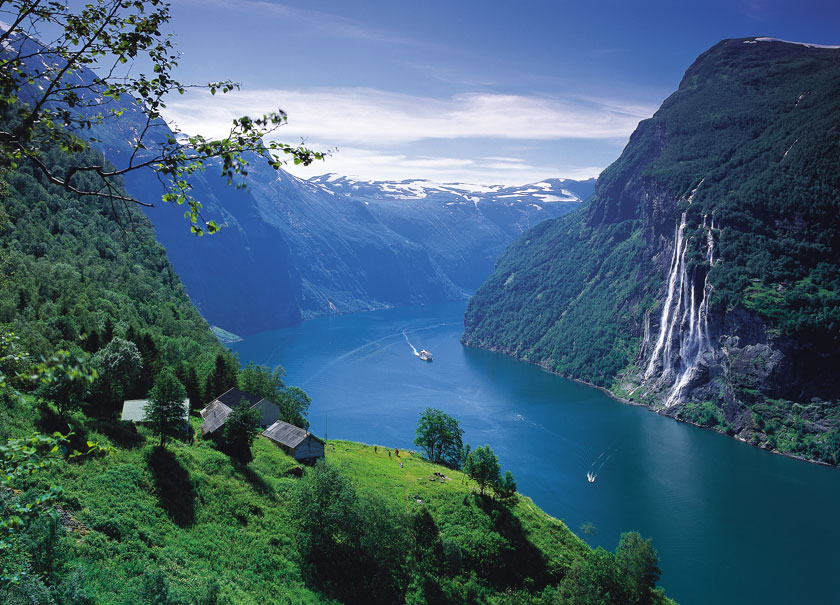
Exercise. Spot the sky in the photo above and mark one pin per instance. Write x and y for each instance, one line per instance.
(481, 92)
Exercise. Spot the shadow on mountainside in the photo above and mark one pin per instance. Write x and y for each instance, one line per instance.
(255, 480)
(50, 422)
(521, 560)
(174, 486)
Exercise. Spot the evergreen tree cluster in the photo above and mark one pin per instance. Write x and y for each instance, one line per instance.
(79, 277)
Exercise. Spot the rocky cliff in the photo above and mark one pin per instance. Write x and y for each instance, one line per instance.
(702, 279)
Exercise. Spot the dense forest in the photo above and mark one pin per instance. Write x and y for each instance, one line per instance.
(747, 151)
(79, 274)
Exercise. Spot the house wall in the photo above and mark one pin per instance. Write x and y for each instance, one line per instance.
(269, 412)
(309, 448)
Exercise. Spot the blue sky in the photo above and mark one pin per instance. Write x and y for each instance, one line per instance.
(483, 92)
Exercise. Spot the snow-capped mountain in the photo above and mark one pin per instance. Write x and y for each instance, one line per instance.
(332, 244)
(543, 192)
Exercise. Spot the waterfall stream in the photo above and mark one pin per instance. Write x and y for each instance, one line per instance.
(683, 341)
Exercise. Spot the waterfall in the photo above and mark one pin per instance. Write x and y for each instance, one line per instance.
(667, 309)
(683, 341)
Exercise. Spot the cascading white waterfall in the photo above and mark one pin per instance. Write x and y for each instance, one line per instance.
(683, 340)
(673, 276)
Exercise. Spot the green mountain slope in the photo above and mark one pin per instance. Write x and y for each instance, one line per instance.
(703, 278)
(78, 272)
(143, 522)
(70, 265)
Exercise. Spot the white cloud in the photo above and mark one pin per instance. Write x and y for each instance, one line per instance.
(495, 158)
(367, 164)
(351, 115)
(385, 135)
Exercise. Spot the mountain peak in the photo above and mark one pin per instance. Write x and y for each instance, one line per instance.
(806, 44)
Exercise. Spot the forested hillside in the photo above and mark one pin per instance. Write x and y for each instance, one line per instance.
(79, 272)
(703, 278)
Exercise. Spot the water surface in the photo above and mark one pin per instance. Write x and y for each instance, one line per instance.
(732, 524)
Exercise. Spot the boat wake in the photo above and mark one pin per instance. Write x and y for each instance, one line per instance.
(414, 350)
(521, 418)
(598, 464)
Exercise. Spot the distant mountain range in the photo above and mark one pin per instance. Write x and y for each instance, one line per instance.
(294, 249)
(547, 191)
(703, 276)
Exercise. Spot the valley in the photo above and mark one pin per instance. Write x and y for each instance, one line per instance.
(452, 333)
(334, 245)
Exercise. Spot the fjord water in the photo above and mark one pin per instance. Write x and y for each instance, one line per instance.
(732, 524)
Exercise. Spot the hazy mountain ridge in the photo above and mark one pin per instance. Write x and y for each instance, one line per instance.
(342, 252)
(702, 279)
(548, 190)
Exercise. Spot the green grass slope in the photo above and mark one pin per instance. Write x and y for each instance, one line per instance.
(178, 525)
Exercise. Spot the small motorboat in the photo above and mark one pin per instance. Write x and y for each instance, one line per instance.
(590, 476)
(425, 355)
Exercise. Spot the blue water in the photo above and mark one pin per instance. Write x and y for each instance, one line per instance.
(732, 524)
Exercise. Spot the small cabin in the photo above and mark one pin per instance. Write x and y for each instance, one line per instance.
(216, 412)
(299, 443)
(269, 412)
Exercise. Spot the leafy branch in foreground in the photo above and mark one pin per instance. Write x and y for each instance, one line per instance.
(62, 89)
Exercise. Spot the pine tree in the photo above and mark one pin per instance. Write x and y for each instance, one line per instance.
(164, 411)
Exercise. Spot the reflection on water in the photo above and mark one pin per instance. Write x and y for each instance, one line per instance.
(732, 524)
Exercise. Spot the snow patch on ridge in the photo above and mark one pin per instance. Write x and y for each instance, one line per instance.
(808, 44)
(532, 195)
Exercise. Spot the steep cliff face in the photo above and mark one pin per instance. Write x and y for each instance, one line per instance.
(702, 279)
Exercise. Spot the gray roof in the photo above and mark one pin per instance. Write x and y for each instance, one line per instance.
(134, 410)
(287, 434)
(232, 398)
(214, 416)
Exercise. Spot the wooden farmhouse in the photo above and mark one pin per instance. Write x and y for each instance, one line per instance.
(216, 412)
(299, 443)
